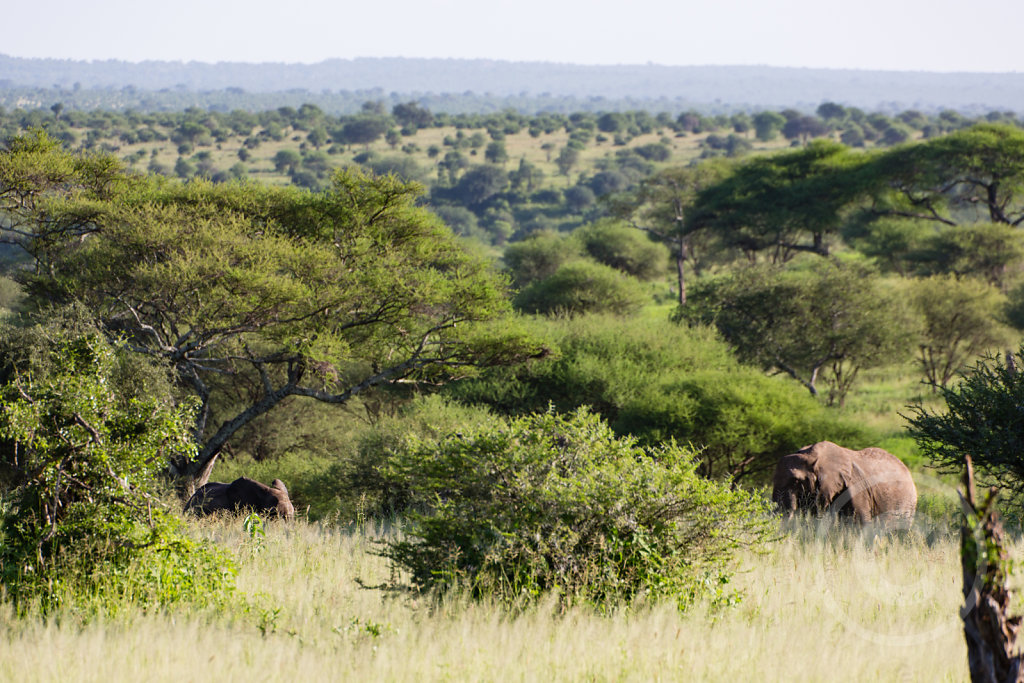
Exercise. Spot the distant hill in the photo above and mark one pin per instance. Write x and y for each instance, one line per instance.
(719, 87)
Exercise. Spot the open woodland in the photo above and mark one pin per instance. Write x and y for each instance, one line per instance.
(525, 376)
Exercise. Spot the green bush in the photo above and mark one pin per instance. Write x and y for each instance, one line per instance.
(548, 503)
(85, 428)
(823, 322)
(583, 287)
(623, 248)
(538, 256)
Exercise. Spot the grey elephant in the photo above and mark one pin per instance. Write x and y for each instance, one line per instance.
(868, 485)
(242, 493)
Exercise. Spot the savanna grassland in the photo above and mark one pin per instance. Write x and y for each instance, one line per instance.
(815, 606)
(527, 407)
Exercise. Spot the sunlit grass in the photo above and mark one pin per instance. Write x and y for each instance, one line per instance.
(819, 605)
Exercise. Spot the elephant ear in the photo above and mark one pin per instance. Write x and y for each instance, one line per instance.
(830, 484)
(832, 481)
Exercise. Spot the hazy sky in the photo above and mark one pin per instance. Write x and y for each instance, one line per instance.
(930, 35)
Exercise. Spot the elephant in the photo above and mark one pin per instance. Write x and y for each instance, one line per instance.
(868, 485)
(242, 493)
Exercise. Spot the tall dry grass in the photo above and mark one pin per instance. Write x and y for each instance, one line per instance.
(819, 605)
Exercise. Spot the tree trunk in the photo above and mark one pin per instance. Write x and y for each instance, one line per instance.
(682, 280)
(990, 632)
(681, 269)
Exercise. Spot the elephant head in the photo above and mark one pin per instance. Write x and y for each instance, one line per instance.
(865, 484)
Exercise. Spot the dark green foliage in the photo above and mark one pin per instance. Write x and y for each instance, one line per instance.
(781, 204)
(988, 251)
(538, 256)
(1013, 314)
(983, 418)
(627, 249)
(361, 130)
(550, 504)
(567, 158)
(895, 135)
(660, 381)
(287, 159)
(895, 244)
(767, 125)
(607, 182)
(804, 128)
(85, 428)
(403, 166)
(479, 184)
(579, 197)
(461, 220)
(654, 151)
(731, 145)
(336, 466)
(852, 135)
(412, 115)
(972, 175)
(183, 168)
(365, 484)
(831, 111)
(583, 287)
(983, 250)
(496, 153)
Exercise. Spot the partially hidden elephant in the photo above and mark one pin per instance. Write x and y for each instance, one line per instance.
(242, 493)
(868, 485)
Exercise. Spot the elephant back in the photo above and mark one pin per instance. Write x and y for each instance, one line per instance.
(208, 498)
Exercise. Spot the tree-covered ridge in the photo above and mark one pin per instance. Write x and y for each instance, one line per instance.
(496, 177)
(534, 85)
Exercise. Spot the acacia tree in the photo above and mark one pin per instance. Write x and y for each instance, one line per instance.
(960, 322)
(966, 176)
(316, 295)
(824, 324)
(782, 204)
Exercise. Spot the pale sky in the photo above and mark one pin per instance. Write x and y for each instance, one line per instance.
(914, 35)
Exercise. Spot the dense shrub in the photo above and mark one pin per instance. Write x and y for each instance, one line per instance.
(538, 256)
(659, 381)
(583, 287)
(84, 429)
(546, 503)
(654, 151)
(623, 248)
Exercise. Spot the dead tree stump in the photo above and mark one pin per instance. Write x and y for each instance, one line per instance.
(990, 632)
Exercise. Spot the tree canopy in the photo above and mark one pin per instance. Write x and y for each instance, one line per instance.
(825, 323)
(781, 204)
(283, 291)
